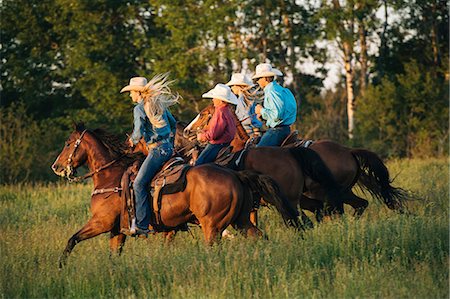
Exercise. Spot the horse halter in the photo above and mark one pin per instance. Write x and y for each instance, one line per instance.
(69, 167)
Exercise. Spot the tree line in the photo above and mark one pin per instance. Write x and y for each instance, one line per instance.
(65, 60)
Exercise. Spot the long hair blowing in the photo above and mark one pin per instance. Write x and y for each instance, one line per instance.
(157, 97)
(253, 94)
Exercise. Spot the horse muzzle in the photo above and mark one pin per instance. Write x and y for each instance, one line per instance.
(65, 172)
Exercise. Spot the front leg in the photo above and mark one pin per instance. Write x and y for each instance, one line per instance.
(93, 228)
(116, 242)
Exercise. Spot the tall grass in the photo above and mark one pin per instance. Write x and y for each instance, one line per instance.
(383, 254)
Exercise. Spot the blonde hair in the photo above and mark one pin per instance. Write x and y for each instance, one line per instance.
(157, 97)
(252, 94)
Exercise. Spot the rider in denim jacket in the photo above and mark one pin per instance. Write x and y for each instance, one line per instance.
(154, 123)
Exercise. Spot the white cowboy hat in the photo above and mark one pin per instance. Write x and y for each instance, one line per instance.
(240, 79)
(136, 83)
(221, 92)
(266, 70)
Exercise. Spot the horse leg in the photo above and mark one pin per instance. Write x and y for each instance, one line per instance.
(246, 227)
(93, 228)
(357, 203)
(212, 234)
(313, 205)
(169, 236)
(116, 242)
(254, 217)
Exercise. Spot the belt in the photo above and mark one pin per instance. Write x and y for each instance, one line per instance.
(157, 143)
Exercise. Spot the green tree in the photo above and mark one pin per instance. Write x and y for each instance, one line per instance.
(407, 116)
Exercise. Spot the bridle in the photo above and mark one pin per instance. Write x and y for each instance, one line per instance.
(70, 168)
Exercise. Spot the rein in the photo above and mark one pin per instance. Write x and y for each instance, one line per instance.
(88, 175)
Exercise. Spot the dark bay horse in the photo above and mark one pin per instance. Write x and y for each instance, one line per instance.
(349, 167)
(291, 168)
(214, 197)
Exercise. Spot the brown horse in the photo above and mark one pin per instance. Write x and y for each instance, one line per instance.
(214, 197)
(291, 168)
(349, 167)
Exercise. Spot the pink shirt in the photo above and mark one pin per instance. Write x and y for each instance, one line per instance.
(221, 126)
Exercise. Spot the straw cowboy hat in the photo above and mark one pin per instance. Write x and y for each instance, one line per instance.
(221, 92)
(240, 79)
(266, 70)
(136, 84)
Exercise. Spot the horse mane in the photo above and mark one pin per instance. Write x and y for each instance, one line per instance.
(116, 146)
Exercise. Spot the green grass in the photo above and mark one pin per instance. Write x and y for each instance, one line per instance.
(380, 255)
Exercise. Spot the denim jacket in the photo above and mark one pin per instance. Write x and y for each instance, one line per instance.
(144, 128)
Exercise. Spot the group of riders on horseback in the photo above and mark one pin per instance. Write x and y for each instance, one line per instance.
(280, 169)
(154, 123)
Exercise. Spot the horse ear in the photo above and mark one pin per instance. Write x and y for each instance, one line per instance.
(79, 126)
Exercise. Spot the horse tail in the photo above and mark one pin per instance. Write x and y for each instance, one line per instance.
(313, 166)
(264, 186)
(374, 178)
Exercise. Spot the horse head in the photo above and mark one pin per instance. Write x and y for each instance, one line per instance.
(202, 120)
(73, 154)
(97, 148)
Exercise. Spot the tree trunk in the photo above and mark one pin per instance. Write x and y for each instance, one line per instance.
(348, 51)
(363, 58)
(346, 34)
(434, 36)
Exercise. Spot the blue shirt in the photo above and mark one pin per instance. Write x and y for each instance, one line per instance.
(246, 113)
(144, 128)
(280, 107)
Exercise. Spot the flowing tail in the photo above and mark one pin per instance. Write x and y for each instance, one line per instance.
(374, 178)
(314, 167)
(265, 187)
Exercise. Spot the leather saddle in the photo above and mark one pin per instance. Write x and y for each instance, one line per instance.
(293, 140)
(231, 160)
(170, 179)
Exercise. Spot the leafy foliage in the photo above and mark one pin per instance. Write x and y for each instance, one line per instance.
(67, 60)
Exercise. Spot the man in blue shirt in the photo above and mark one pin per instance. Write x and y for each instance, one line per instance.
(279, 108)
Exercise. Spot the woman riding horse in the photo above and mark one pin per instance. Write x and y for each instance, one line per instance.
(154, 123)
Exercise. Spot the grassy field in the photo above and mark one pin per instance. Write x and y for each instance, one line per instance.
(380, 255)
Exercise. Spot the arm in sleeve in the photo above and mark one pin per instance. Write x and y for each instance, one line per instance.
(273, 107)
(137, 126)
(217, 127)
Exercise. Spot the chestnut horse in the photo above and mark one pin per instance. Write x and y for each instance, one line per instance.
(349, 167)
(214, 197)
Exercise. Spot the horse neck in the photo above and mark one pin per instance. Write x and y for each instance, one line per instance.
(182, 143)
(98, 156)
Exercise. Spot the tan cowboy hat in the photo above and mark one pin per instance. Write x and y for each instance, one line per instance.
(221, 92)
(266, 70)
(136, 84)
(240, 79)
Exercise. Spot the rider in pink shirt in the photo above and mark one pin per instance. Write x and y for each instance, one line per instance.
(222, 128)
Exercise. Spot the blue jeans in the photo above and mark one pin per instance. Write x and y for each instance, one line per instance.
(209, 154)
(152, 164)
(274, 136)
